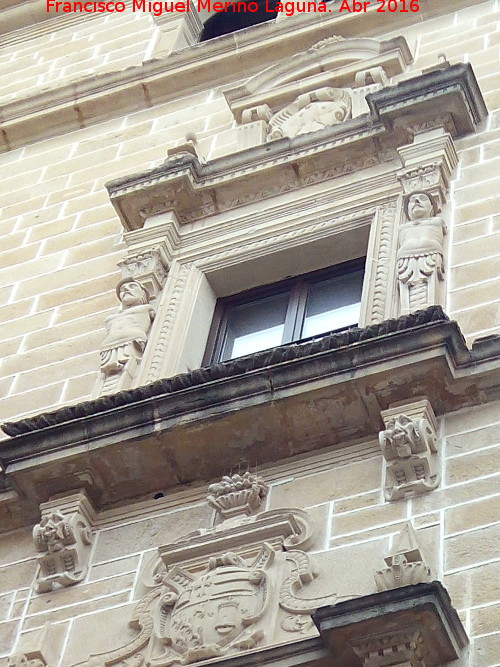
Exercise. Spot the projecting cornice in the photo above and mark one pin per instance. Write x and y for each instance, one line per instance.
(196, 425)
(194, 189)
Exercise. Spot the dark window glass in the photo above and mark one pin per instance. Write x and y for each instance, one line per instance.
(309, 305)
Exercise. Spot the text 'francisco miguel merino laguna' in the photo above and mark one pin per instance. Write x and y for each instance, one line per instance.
(159, 8)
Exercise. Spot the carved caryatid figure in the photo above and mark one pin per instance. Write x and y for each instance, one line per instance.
(420, 255)
(127, 330)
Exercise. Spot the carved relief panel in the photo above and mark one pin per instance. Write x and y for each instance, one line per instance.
(225, 590)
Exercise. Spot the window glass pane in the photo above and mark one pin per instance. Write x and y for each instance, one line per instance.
(333, 304)
(255, 326)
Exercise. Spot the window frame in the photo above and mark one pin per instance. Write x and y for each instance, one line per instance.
(297, 287)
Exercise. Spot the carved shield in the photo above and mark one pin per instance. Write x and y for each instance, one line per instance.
(214, 610)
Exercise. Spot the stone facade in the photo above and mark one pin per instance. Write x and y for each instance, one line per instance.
(183, 173)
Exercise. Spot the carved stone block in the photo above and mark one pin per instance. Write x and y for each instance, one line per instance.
(409, 447)
(62, 539)
(224, 590)
(311, 112)
(405, 563)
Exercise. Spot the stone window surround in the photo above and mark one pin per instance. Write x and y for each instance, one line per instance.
(296, 291)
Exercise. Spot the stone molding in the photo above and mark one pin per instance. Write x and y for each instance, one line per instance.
(405, 563)
(409, 446)
(194, 190)
(63, 539)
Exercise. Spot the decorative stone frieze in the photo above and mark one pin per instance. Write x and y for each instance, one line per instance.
(62, 539)
(409, 447)
(405, 563)
(127, 333)
(237, 495)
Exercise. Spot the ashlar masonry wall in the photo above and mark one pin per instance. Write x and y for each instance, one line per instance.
(456, 525)
(61, 239)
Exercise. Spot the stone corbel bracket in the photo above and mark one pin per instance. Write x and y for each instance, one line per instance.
(63, 540)
(193, 189)
(409, 446)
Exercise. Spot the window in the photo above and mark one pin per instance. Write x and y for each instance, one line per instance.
(302, 307)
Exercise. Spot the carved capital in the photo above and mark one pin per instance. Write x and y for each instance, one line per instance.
(409, 447)
(428, 162)
(237, 495)
(149, 267)
(405, 564)
(62, 540)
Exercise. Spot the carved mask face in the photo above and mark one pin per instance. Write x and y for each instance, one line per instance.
(419, 206)
(132, 294)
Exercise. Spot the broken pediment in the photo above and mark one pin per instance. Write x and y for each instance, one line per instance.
(225, 590)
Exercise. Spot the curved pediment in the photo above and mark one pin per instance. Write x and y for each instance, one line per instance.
(334, 61)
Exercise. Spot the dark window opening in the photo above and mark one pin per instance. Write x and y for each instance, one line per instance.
(291, 310)
(236, 18)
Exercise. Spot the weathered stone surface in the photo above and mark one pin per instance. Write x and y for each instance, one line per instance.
(17, 575)
(149, 533)
(75, 610)
(486, 650)
(475, 464)
(367, 519)
(17, 545)
(8, 633)
(62, 597)
(114, 568)
(485, 620)
(336, 483)
(473, 547)
(472, 515)
(87, 637)
(474, 586)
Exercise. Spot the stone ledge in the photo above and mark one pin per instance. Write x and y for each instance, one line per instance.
(290, 400)
(359, 628)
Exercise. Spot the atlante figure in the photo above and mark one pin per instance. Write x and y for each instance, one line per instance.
(420, 264)
(126, 331)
